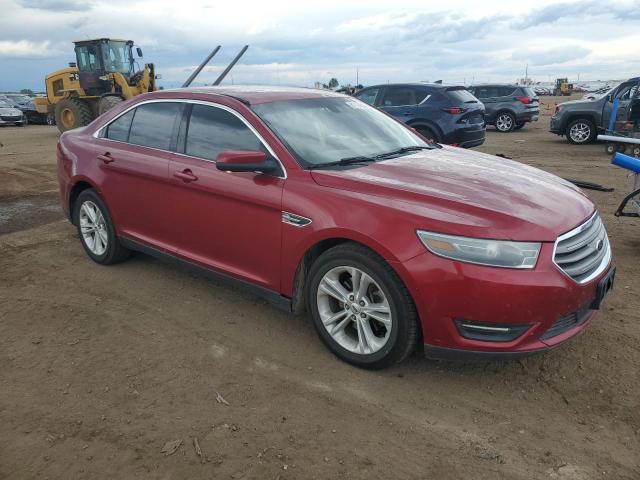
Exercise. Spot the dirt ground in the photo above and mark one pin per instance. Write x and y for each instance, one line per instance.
(100, 367)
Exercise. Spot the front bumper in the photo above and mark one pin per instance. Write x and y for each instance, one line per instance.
(554, 125)
(11, 120)
(445, 291)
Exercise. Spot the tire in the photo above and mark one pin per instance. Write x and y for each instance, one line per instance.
(72, 113)
(580, 131)
(429, 134)
(107, 103)
(505, 122)
(610, 148)
(636, 152)
(519, 126)
(113, 251)
(360, 339)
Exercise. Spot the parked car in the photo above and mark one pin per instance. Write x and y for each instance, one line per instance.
(581, 120)
(316, 200)
(508, 107)
(33, 116)
(444, 114)
(10, 115)
(597, 93)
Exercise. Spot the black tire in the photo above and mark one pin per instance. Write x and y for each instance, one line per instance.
(405, 329)
(72, 113)
(114, 251)
(505, 122)
(107, 103)
(583, 125)
(429, 134)
(519, 126)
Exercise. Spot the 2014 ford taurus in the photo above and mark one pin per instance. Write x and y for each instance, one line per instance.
(318, 201)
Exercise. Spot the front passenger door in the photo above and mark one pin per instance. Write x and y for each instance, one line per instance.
(229, 222)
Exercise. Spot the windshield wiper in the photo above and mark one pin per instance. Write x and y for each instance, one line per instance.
(400, 151)
(344, 161)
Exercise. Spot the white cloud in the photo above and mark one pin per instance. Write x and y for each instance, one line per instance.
(25, 49)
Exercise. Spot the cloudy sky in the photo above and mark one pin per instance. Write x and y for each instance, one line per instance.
(299, 42)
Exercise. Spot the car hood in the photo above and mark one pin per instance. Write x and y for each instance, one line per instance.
(461, 192)
(577, 101)
(10, 111)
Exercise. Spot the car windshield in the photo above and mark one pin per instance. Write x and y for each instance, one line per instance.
(324, 130)
(5, 104)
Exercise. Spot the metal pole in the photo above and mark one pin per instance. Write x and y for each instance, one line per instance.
(199, 69)
(231, 65)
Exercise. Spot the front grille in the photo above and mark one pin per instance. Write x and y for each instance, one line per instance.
(566, 322)
(584, 252)
(7, 118)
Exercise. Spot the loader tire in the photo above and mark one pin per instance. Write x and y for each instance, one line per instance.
(107, 103)
(72, 113)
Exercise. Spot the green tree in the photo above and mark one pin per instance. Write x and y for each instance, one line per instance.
(333, 83)
(26, 91)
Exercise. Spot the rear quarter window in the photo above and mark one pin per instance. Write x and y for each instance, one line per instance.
(119, 128)
(461, 96)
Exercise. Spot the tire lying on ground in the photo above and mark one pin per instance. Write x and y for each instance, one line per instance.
(72, 113)
(107, 103)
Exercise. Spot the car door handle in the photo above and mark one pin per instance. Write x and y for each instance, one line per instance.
(186, 176)
(106, 158)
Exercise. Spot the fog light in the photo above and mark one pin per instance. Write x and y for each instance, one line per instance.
(490, 332)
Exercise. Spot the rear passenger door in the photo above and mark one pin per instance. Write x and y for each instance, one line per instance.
(229, 222)
(487, 95)
(134, 152)
(400, 102)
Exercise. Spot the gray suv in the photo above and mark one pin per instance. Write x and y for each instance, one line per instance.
(508, 107)
(581, 120)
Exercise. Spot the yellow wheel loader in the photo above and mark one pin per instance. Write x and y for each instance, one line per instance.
(104, 74)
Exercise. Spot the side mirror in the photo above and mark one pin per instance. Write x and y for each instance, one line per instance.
(139, 52)
(244, 161)
(610, 97)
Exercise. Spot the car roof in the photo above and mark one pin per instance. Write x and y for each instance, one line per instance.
(254, 95)
(498, 85)
(417, 84)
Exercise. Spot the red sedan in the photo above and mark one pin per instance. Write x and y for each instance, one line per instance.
(318, 201)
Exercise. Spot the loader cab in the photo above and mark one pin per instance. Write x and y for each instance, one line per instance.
(98, 58)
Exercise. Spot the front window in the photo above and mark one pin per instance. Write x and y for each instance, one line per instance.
(117, 57)
(324, 130)
(88, 59)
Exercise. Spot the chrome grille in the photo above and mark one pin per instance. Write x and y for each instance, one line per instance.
(584, 252)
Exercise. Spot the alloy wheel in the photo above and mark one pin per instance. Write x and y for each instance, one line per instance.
(354, 310)
(580, 132)
(504, 122)
(93, 228)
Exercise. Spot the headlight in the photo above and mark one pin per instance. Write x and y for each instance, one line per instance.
(495, 253)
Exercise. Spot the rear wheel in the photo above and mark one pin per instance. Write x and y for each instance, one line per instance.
(581, 131)
(428, 133)
(72, 113)
(96, 230)
(505, 122)
(107, 103)
(360, 308)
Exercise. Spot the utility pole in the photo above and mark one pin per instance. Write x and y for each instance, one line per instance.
(357, 77)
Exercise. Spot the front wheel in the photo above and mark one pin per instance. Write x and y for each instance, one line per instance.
(96, 230)
(360, 308)
(581, 131)
(505, 122)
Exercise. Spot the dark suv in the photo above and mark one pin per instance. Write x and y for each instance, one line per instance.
(445, 114)
(509, 107)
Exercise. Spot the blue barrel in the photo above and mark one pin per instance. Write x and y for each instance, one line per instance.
(625, 161)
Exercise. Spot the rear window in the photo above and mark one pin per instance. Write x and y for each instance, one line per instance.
(528, 92)
(461, 95)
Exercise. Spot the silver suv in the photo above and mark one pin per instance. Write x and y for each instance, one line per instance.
(508, 107)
